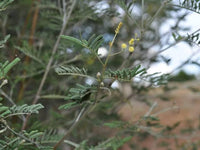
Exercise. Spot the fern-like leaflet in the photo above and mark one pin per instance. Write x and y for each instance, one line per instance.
(192, 5)
(4, 68)
(43, 140)
(125, 74)
(194, 38)
(29, 51)
(71, 70)
(2, 43)
(19, 110)
(93, 43)
(4, 4)
(51, 14)
(111, 143)
(128, 7)
(78, 95)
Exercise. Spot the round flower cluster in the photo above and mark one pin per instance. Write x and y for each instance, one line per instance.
(124, 46)
(131, 45)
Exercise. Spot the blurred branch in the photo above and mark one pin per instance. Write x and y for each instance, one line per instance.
(151, 109)
(173, 44)
(11, 101)
(66, 17)
(31, 41)
(75, 123)
(187, 8)
(164, 3)
(23, 137)
(77, 57)
(186, 61)
(6, 96)
(142, 20)
(165, 110)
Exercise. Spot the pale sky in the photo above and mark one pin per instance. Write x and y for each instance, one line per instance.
(182, 51)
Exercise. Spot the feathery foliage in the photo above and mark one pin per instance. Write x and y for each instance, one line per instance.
(194, 38)
(19, 110)
(43, 140)
(193, 5)
(4, 4)
(110, 144)
(126, 6)
(2, 42)
(71, 70)
(79, 95)
(29, 51)
(126, 74)
(113, 143)
(79, 92)
(5, 68)
(40, 40)
(93, 43)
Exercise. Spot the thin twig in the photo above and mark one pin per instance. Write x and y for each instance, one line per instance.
(7, 144)
(132, 18)
(117, 53)
(165, 110)
(12, 102)
(157, 12)
(151, 109)
(188, 8)
(109, 54)
(52, 67)
(186, 61)
(75, 123)
(23, 137)
(6, 96)
(66, 17)
(173, 44)
(159, 135)
(76, 74)
(142, 20)
(72, 143)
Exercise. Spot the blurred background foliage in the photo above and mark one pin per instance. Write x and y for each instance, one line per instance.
(34, 26)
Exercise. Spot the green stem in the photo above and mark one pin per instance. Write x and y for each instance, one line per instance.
(164, 3)
(109, 54)
(117, 53)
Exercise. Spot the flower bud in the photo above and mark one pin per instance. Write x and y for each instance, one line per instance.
(101, 84)
(131, 49)
(4, 83)
(123, 46)
(131, 41)
(98, 75)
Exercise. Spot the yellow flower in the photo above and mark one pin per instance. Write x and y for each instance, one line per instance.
(131, 49)
(131, 42)
(123, 46)
(118, 27)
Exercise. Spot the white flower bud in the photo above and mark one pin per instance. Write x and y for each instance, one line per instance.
(4, 83)
(101, 84)
(98, 74)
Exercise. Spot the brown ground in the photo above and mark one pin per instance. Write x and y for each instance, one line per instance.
(181, 104)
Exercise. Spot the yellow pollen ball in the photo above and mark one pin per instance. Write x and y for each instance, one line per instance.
(131, 49)
(123, 46)
(131, 42)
